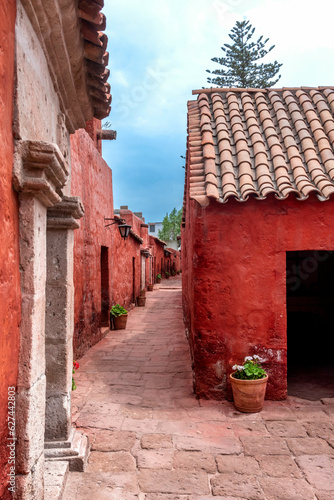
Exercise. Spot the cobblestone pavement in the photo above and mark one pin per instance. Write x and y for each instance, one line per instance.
(152, 440)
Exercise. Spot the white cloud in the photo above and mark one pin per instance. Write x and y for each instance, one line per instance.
(295, 25)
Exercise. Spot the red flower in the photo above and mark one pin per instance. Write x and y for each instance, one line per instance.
(75, 365)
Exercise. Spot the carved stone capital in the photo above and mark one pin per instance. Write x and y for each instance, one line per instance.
(65, 214)
(40, 169)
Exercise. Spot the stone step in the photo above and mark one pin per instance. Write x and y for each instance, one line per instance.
(61, 444)
(76, 454)
(55, 476)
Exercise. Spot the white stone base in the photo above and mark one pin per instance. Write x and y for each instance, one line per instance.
(55, 476)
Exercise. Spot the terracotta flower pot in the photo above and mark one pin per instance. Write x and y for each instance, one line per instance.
(249, 395)
(150, 288)
(120, 322)
(141, 301)
(158, 280)
(142, 293)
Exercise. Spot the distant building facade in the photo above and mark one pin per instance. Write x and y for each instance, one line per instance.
(154, 228)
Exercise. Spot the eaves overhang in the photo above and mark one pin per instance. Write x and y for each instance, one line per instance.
(70, 34)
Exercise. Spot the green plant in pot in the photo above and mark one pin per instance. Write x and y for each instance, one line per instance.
(249, 384)
(119, 316)
(167, 275)
(159, 278)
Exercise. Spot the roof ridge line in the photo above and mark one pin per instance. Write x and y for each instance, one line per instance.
(266, 90)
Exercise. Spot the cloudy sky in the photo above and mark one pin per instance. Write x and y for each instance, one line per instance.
(158, 53)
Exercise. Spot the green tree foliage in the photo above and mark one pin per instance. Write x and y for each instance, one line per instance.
(171, 226)
(240, 61)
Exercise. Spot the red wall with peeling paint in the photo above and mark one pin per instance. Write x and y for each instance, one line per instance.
(234, 278)
(92, 181)
(10, 296)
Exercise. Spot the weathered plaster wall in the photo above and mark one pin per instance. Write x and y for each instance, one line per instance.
(10, 297)
(127, 264)
(235, 283)
(92, 181)
(158, 257)
(174, 259)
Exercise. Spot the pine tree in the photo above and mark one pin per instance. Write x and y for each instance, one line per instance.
(243, 70)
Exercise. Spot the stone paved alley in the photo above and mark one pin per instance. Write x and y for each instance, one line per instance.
(152, 440)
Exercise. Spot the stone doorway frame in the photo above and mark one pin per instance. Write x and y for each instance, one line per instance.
(46, 223)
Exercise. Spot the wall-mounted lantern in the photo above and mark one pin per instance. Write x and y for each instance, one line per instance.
(124, 229)
(145, 252)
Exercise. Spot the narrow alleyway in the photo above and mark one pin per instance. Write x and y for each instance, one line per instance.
(152, 440)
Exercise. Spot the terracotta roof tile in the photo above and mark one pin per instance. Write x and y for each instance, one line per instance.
(93, 23)
(244, 142)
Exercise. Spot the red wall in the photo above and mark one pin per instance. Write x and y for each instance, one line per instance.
(174, 260)
(158, 256)
(127, 280)
(234, 278)
(10, 298)
(92, 181)
(126, 274)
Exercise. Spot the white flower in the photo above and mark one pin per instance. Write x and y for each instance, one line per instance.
(238, 367)
(248, 358)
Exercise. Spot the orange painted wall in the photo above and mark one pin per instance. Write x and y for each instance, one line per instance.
(10, 297)
(234, 277)
(92, 181)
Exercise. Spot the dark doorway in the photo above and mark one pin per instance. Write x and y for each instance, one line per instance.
(310, 317)
(133, 279)
(104, 286)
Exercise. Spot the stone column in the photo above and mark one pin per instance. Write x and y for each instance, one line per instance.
(59, 317)
(39, 171)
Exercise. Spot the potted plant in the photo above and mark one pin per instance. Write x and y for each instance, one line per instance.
(173, 273)
(249, 383)
(159, 278)
(142, 293)
(119, 316)
(150, 287)
(141, 301)
(75, 367)
(167, 275)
